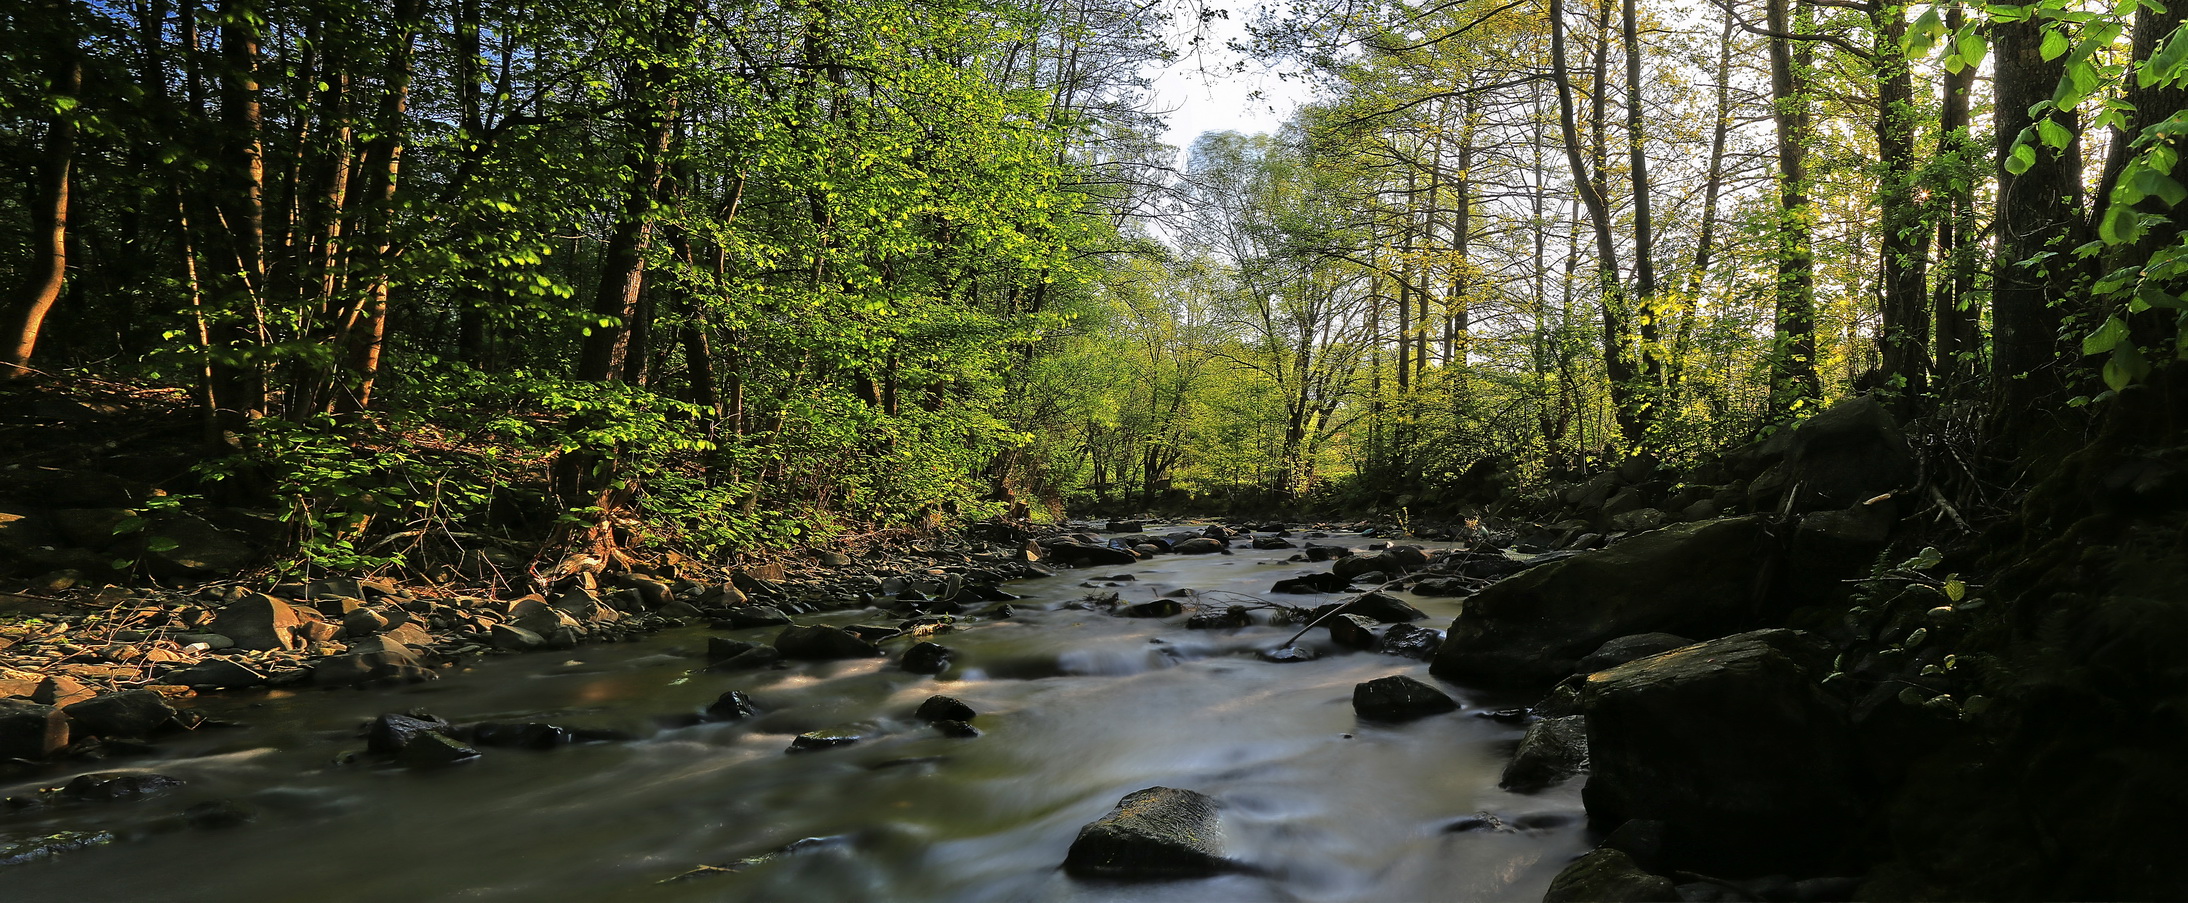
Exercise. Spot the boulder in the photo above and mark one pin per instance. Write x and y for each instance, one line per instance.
(732, 706)
(829, 738)
(1312, 583)
(1084, 555)
(1399, 698)
(1532, 628)
(513, 638)
(1554, 750)
(1154, 608)
(1271, 542)
(1384, 608)
(433, 749)
(31, 731)
(1352, 631)
(1233, 617)
(823, 643)
(743, 616)
(1638, 520)
(109, 786)
(956, 729)
(129, 713)
(1624, 649)
(1352, 567)
(1608, 876)
(1408, 641)
(1156, 833)
(1200, 546)
(1126, 526)
(389, 733)
(258, 622)
(217, 674)
(1733, 746)
(1851, 452)
(392, 663)
(925, 658)
(944, 708)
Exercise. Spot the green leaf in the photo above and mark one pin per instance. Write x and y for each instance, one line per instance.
(1924, 560)
(130, 524)
(2055, 45)
(2107, 337)
(1956, 589)
(161, 544)
(1971, 46)
(1915, 639)
(2126, 367)
(2053, 134)
(2022, 158)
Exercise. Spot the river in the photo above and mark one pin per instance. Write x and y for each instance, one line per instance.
(1076, 709)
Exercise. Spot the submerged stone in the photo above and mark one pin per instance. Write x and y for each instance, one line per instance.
(1159, 832)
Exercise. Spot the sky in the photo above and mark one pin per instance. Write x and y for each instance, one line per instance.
(1204, 94)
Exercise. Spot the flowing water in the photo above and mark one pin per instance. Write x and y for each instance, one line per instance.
(1076, 708)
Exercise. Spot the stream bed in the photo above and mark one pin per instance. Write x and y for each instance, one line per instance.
(1076, 709)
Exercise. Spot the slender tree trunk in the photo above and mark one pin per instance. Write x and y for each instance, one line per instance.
(240, 380)
(1793, 380)
(1618, 366)
(2039, 211)
(608, 352)
(365, 332)
(1904, 244)
(1645, 303)
(48, 270)
(1959, 338)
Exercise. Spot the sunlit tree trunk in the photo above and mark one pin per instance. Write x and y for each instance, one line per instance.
(48, 268)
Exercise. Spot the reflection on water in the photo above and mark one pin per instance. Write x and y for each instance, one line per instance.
(1077, 708)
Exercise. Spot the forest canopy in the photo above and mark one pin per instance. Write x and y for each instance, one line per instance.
(757, 272)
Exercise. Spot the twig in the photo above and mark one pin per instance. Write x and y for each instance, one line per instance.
(1947, 507)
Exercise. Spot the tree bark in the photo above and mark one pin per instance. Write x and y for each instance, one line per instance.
(1793, 381)
(2039, 211)
(1904, 245)
(48, 269)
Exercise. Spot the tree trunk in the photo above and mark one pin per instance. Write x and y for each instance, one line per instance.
(48, 270)
(607, 353)
(1904, 244)
(1616, 363)
(1959, 337)
(2039, 210)
(1793, 381)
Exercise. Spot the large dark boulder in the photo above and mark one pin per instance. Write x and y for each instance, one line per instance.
(31, 731)
(1608, 876)
(129, 713)
(1081, 555)
(1399, 698)
(1352, 566)
(1159, 832)
(1204, 545)
(1553, 750)
(1733, 746)
(1624, 649)
(1851, 452)
(259, 622)
(823, 643)
(925, 658)
(1532, 628)
(1311, 583)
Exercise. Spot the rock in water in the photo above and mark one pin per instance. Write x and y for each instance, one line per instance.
(1627, 648)
(925, 658)
(1201, 546)
(129, 713)
(391, 732)
(1385, 608)
(31, 731)
(1732, 745)
(1159, 832)
(1399, 698)
(1608, 876)
(1533, 628)
(821, 643)
(432, 749)
(944, 708)
(732, 706)
(108, 786)
(1553, 750)
(828, 738)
